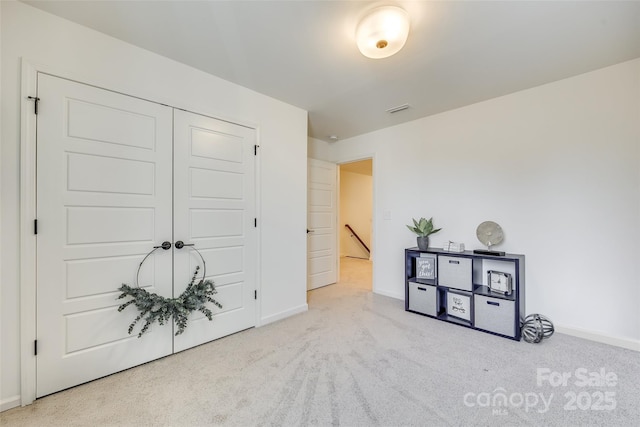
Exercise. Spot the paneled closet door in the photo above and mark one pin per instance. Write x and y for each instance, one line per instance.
(321, 224)
(215, 211)
(104, 199)
(117, 176)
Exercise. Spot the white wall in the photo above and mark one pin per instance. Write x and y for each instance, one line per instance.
(556, 166)
(355, 210)
(320, 150)
(91, 57)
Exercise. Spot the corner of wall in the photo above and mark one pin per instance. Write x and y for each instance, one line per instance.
(283, 314)
(320, 150)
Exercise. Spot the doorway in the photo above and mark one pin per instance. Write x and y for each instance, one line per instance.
(355, 228)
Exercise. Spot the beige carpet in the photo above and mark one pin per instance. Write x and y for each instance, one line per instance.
(356, 273)
(355, 359)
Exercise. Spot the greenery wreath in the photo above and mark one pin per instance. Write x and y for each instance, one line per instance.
(154, 307)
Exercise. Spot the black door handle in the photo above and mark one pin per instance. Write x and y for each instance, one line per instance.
(180, 244)
(165, 245)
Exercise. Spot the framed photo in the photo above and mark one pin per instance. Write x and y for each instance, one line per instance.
(459, 305)
(426, 266)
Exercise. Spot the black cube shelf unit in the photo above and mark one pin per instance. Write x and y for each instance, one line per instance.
(453, 287)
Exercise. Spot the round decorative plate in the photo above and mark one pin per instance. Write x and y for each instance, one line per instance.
(489, 233)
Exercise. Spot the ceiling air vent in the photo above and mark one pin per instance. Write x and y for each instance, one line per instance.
(398, 108)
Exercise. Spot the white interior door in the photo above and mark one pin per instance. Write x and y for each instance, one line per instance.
(321, 224)
(215, 211)
(116, 176)
(103, 201)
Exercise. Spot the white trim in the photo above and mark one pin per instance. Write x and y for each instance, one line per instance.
(627, 343)
(391, 295)
(28, 188)
(9, 403)
(338, 221)
(27, 237)
(284, 314)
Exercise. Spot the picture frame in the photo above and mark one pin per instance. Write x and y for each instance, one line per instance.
(426, 266)
(459, 305)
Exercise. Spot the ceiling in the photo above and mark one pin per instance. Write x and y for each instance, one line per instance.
(304, 52)
(362, 167)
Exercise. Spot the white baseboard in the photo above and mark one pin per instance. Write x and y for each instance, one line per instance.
(11, 402)
(389, 294)
(605, 339)
(284, 314)
(575, 332)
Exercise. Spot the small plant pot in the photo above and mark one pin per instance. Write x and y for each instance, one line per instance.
(423, 242)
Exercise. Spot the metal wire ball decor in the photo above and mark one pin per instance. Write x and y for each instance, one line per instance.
(536, 327)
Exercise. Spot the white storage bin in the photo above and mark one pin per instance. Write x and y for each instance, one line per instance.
(495, 315)
(459, 305)
(455, 272)
(423, 299)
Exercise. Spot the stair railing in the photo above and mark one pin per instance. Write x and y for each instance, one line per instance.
(354, 234)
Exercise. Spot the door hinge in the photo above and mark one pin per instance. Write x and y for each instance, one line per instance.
(35, 226)
(35, 348)
(35, 103)
(255, 149)
(255, 294)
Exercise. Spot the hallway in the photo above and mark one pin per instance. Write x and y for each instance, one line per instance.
(356, 273)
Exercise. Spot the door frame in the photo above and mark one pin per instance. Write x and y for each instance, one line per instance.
(352, 159)
(28, 208)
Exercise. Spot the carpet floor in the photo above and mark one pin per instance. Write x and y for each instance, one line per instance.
(358, 359)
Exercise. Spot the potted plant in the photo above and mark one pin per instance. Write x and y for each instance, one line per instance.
(423, 228)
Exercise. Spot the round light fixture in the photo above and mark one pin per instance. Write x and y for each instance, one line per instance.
(382, 32)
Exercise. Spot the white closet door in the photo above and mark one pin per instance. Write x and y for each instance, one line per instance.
(103, 201)
(215, 210)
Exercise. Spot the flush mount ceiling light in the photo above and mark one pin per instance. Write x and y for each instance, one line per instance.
(382, 32)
